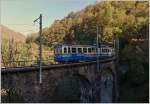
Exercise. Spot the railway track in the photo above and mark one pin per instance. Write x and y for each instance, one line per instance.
(52, 66)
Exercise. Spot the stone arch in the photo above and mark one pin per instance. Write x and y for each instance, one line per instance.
(69, 89)
(86, 89)
(108, 69)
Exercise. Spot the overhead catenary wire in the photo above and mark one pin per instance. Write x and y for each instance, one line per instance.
(22, 24)
(25, 28)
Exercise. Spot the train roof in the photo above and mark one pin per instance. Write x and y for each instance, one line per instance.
(63, 45)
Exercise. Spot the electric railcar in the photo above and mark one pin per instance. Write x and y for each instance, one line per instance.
(78, 53)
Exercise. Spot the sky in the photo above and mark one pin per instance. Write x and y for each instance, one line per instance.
(20, 14)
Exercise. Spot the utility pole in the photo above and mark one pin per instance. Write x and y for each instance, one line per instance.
(98, 70)
(40, 47)
(116, 47)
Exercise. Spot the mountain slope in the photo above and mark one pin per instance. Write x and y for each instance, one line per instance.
(7, 34)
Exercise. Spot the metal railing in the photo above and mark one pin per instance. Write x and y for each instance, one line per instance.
(22, 63)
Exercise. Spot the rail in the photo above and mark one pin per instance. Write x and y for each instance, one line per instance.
(49, 67)
(24, 63)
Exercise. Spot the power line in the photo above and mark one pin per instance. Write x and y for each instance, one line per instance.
(22, 24)
(25, 27)
(29, 31)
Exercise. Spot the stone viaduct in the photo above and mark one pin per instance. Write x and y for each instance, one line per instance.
(60, 83)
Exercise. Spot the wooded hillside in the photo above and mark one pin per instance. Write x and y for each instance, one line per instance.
(16, 50)
(127, 19)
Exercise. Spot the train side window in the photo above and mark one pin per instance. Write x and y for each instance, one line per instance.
(79, 50)
(93, 50)
(99, 50)
(55, 51)
(59, 50)
(108, 50)
(85, 50)
(73, 50)
(103, 50)
(68, 49)
(89, 50)
(65, 50)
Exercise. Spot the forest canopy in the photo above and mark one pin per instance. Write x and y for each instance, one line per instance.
(122, 18)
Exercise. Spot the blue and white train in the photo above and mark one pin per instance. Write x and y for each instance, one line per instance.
(79, 53)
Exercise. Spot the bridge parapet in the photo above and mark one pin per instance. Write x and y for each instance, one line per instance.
(24, 81)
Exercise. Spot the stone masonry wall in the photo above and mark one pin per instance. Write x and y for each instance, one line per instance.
(25, 82)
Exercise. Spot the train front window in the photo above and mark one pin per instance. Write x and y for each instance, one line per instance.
(73, 50)
(85, 50)
(79, 50)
